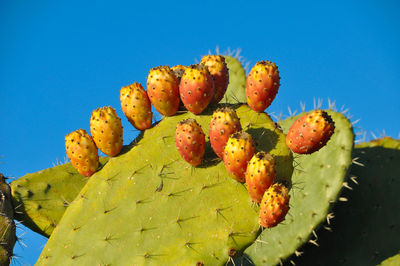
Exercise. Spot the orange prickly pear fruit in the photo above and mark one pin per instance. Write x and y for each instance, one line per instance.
(190, 141)
(196, 88)
(224, 122)
(260, 175)
(82, 152)
(136, 106)
(219, 71)
(238, 151)
(163, 90)
(106, 129)
(262, 85)
(274, 205)
(310, 132)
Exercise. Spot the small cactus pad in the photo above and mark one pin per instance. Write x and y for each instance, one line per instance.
(236, 91)
(149, 207)
(315, 186)
(40, 199)
(366, 229)
(7, 225)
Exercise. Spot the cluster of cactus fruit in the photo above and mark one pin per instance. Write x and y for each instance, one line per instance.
(196, 188)
(196, 87)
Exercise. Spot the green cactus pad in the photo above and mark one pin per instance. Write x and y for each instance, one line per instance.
(40, 199)
(317, 180)
(392, 261)
(236, 91)
(7, 225)
(366, 229)
(149, 207)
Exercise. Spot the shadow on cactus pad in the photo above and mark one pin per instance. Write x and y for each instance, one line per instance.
(366, 229)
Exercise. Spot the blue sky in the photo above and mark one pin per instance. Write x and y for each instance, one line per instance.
(61, 60)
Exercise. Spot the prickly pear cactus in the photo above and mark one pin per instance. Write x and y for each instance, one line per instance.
(236, 91)
(40, 198)
(366, 228)
(149, 207)
(7, 225)
(317, 180)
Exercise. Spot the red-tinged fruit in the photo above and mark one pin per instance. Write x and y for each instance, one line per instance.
(82, 152)
(310, 132)
(260, 175)
(106, 129)
(224, 122)
(196, 88)
(262, 85)
(219, 71)
(190, 141)
(163, 90)
(238, 151)
(274, 205)
(136, 106)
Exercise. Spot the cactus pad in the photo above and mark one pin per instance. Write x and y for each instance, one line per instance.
(316, 185)
(40, 199)
(236, 91)
(366, 228)
(149, 207)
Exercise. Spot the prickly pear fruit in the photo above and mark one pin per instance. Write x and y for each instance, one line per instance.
(310, 132)
(82, 152)
(196, 88)
(262, 85)
(190, 141)
(237, 153)
(224, 122)
(136, 106)
(106, 129)
(260, 175)
(163, 90)
(217, 67)
(274, 205)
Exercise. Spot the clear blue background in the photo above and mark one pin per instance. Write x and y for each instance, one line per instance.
(61, 60)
